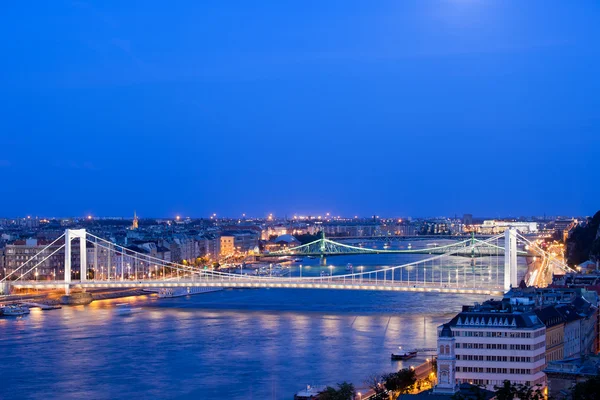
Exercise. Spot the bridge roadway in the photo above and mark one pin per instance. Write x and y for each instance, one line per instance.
(283, 283)
(409, 237)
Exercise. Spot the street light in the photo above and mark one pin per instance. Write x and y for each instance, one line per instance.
(362, 268)
(300, 271)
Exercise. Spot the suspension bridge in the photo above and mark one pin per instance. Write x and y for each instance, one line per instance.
(324, 247)
(446, 272)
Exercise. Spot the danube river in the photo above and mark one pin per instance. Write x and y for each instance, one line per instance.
(239, 344)
(234, 344)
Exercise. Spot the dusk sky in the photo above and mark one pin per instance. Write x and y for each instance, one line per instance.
(396, 108)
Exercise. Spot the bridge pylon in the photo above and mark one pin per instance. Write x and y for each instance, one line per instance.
(71, 234)
(510, 259)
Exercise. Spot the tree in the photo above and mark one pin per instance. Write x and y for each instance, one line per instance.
(587, 390)
(509, 391)
(475, 393)
(345, 391)
(400, 381)
(376, 383)
(525, 392)
(504, 392)
(581, 245)
(307, 237)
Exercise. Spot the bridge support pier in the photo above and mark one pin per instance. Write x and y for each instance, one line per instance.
(510, 259)
(5, 288)
(323, 261)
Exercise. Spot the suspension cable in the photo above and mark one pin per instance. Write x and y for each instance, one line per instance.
(32, 258)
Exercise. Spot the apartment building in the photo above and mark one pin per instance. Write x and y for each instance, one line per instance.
(490, 343)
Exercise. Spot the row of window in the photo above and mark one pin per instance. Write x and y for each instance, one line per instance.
(518, 371)
(522, 335)
(500, 346)
(469, 357)
(494, 382)
(539, 345)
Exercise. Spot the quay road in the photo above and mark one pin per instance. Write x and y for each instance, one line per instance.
(282, 283)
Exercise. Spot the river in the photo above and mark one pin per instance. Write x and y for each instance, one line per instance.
(238, 344)
(234, 344)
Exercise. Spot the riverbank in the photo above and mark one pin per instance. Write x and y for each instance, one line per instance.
(53, 299)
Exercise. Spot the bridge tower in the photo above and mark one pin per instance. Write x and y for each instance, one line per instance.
(510, 259)
(323, 259)
(71, 234)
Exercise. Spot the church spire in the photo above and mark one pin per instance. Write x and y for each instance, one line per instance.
(135, 220)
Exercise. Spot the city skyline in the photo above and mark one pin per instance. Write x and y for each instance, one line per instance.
(419, 108)
(290, 216)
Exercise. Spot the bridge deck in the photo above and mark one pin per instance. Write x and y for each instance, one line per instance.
(290, 283)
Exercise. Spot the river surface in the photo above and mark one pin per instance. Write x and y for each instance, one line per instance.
(233, 344)
(238, 344)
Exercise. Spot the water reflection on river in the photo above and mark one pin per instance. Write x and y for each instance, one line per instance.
(253, 344)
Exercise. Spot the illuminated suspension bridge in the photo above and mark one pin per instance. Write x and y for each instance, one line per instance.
(324, 247)
(439, 273)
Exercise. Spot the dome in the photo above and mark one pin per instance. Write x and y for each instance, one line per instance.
(446, 331)
(286, 238)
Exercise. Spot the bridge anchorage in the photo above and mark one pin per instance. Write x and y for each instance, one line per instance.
(103, 264)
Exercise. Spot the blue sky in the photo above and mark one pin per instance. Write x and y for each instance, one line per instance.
(397, 108)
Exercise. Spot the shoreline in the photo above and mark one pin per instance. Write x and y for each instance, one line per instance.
(53, 299)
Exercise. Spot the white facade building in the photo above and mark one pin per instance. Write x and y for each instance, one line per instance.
(492, 226)
(491, 346)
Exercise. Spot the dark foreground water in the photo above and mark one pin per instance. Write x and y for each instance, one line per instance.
(234, 344)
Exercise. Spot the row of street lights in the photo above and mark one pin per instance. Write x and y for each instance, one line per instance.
(331, 267)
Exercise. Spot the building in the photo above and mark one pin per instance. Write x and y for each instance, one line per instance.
(240, 241)
(21, 251)
(562, 227)
(209, 245)
(467, 219)
(564, 374)
(492, 227)
(493, 342)
(446, 361)
(573, 339)
(555, 332)
(282, 242)
(575, 306)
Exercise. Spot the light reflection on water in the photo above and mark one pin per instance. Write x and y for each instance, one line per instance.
(255, 344)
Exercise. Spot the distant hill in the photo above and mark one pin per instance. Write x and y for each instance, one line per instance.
(584, 242)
